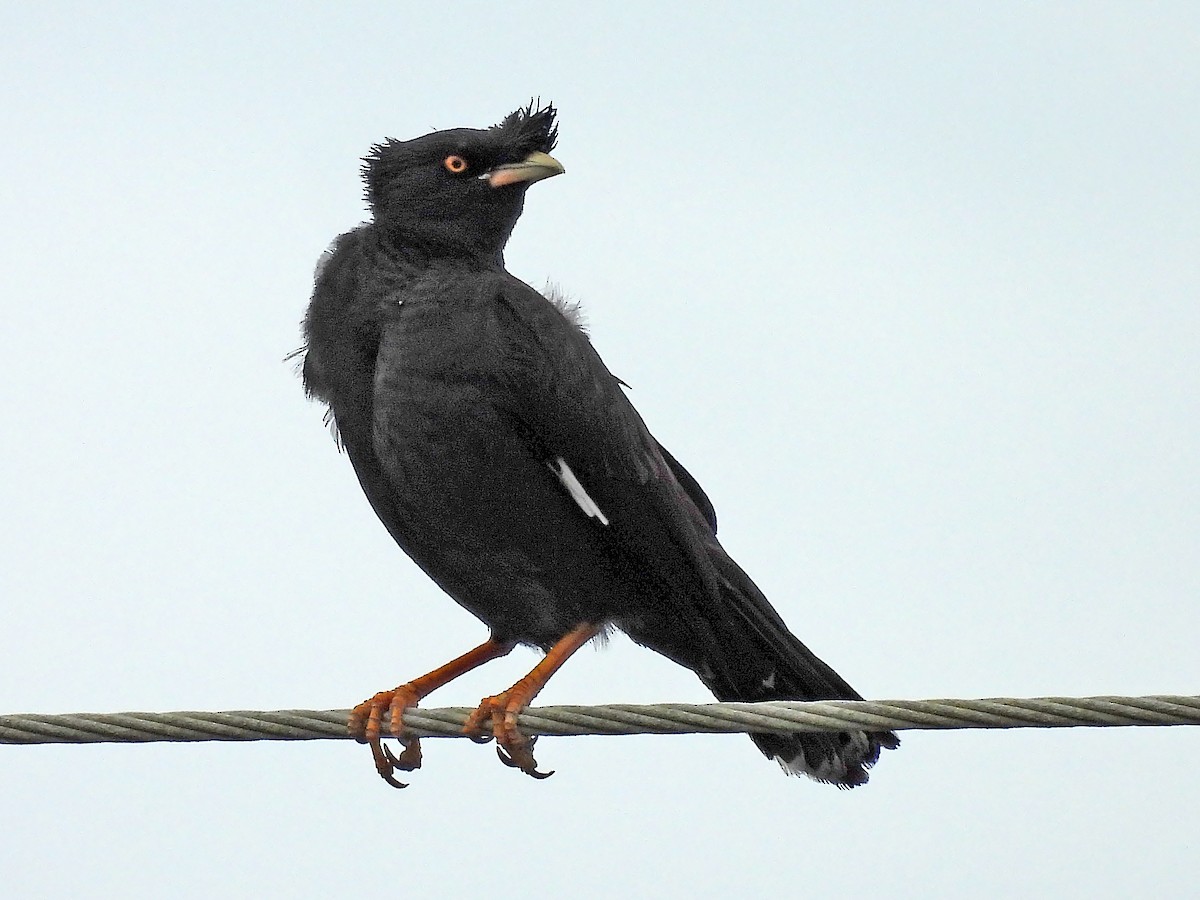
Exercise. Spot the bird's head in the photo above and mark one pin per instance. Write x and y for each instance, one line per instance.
(463, 188)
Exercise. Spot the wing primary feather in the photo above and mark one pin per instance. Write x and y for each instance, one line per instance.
(559, 467)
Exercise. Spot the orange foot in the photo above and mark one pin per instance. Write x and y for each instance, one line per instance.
(365, 723)
(498, 715)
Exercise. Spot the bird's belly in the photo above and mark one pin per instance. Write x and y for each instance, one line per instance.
(489, 521)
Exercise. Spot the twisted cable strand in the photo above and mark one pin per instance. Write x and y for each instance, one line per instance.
(663, 718)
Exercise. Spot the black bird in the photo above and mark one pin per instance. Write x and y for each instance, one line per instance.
(505, 459)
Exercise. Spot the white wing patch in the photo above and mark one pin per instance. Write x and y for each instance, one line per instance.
(560, 468)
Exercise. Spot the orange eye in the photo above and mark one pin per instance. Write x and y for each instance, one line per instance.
(455, 164)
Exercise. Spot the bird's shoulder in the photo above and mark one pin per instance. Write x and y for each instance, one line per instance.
(339, 326)
(360, 284)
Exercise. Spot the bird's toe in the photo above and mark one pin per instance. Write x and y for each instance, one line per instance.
(496, 717)
(365, 724)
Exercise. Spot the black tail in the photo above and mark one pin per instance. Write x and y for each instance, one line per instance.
(757, 658)
(743, 651)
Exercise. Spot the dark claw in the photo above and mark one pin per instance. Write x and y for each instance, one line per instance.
(505, 758)
(386, 763)
(390, 779)
(529, 769)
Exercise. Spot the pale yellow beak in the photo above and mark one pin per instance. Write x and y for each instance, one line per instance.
(534, 167)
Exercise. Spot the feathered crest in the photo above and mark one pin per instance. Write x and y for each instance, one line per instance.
(521, 132)
(526, 129)
(529, 128)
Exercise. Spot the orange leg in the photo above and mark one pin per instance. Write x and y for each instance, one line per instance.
(366, 718)
(500, 712)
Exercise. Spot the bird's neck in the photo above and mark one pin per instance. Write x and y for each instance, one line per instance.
(424, 244)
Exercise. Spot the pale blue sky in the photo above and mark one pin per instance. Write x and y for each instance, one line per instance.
(914, 291)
